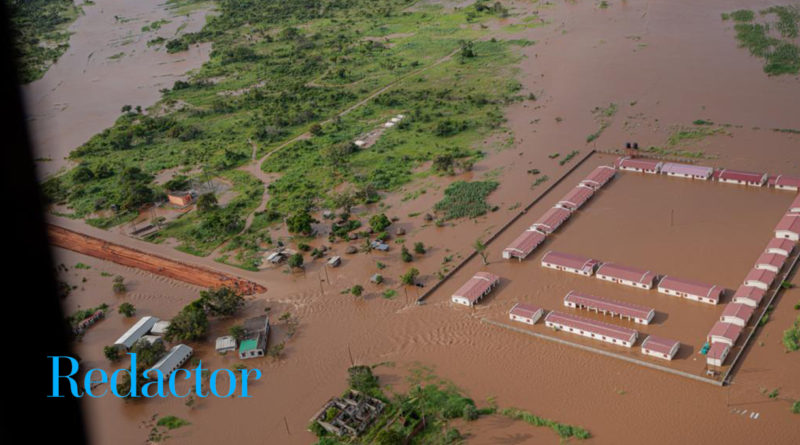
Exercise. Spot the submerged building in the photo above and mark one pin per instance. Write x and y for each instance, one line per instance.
(569, 263)
(593, 329)
(475, 288)
(692, 290)
(629, 276)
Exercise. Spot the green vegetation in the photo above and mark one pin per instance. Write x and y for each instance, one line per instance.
(405, 255)
(791, 336)
(111, 353)
(465, 199)
(781, 54)
(564, 431)
(126, 309)
(277, 69)
(82, 314)
(796, 407)
(603, 115)
(172, 422)
(419, 248)
(410, 277)
(191, 323)
(682, 135)
(39, 30)
(357, 290)
(389, 293)
(568, 157)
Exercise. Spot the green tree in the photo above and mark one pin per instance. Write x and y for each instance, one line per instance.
(126, 309)
(190, 324)
(357, 290)
(119, 284)
(410, 277)
(221, 301)
(237, 331)
(419, 248)
(405, 255)
(296, 261)
(207, 202)
(481, 249)
(300, 223)
(111, 353)
(379, 222)
(147, 354)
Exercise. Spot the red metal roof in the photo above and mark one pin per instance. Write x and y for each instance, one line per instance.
(772, 259)
(596, 327)
(795, 204)
(576, 197)
(762, 275)
(659, 344)
(787, 181)
(526, 242)
(640, 164)
(686, 169)
(476, 286)
(525, 310)
(790, 222)
(569, 260)
(738, 175)
(552, 218)
(725, 330)
(691, 287)
(749, 292)
(781, 243)
(717, 350)
(600, 175)
(604, 304)
(626, 273)
(736, 310)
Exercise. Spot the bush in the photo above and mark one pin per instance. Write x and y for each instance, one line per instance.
(419, 248)
(357, 290)
(119, 285)
(126, 309)
(296, 261)
(379, 223)
(410, 277)
(361, 379)
(406, 255)
(111, 353)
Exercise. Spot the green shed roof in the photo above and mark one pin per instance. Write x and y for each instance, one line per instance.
(248, 345)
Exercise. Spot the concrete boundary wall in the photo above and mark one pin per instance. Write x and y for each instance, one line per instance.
(505, 226)
(605, 353)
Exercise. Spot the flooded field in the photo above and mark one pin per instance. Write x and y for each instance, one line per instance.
(664, 64)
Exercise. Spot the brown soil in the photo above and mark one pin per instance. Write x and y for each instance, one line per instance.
(199, 276)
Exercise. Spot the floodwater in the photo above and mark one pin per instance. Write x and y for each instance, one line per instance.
(108, 65)
(664, 64)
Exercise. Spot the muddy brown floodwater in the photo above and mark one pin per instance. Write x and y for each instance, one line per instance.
(664, 63)
(108, 65)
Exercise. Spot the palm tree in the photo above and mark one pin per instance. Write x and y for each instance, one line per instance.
(480, 247)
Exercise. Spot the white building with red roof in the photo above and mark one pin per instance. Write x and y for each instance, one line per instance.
(692, 290)
(576, 197)
(640, 165)
(760, 278)
(551, 220)
(660, 347)
(795, 206)
(748, 295)
(599, 176)
(525, 313)
(742, 177)
(524, 244)
(634, 312)
(780, 246)
(770, 261)
(737, 313)
(569, 263)
(784, 182)
(717, 353)
(629, 276)
(789, 227)
(687, 171)
(475, 288)
(723, 332)
(593, 329)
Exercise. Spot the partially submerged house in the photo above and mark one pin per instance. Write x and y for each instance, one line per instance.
(633, 312)
(629, 276)
(475, 288)
(742, 177)
(525, 313)
(783, 182)
(176, 356)
(137, 331)
(569, 263)
(717, 353)
(723, 332)
(593, 329)
(335, 261)
(748, 295)
(692, 290)
(349, 415)
(780, 246)
(552, 219)
(524, 244)
(789, 227)
(772, 262)
(760, 278)
(687, 171)
(737, 313)
(599, 177)
(225, 344)
(640, 165)
(180, 199)
(660, 347)
(256, 336)
(576, 197)
(795, 206)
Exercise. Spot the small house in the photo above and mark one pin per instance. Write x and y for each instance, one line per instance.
(795, 206)
(789, 227)
(772, 262)
(660, 347)
(780, 246)
(524, 244)
(180, 199)
(717, 353)
(692, 290)
(599, 177)
(335, 261)
(551, 220)
(737, 313)
(742, 177)
(576, 197)
(525, 313)
(569, 263)
(475, 288)
(687, 171)
(225, 344)
(760, 278)
(176, 356)
(628, 276)
(378, 245)
(640, 165)
(723, 332)
(593, 329)
(160, 327)
(254, 343)
(633, 312)
(748, 295)
(783, 182)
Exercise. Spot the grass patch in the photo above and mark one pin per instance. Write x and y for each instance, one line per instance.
(791, 336)
(781, 54)
(564, 431)
(682, 135)
(172, 422)
(465, 199)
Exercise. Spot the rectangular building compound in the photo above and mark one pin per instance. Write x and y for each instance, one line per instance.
(569, 263)
(638, 314)
(692, 290)
(596, 330)
(629, 276)
(660, 347)
(525, 313)
(524, 244)
(475, 288)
